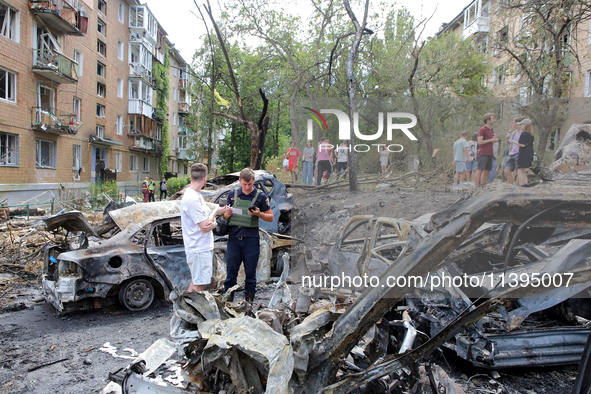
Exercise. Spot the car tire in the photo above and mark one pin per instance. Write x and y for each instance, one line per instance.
(136, 294)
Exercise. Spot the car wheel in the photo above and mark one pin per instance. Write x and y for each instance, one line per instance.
(137, 294)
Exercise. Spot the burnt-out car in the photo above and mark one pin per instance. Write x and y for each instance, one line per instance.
(142, 261)
(281, 201)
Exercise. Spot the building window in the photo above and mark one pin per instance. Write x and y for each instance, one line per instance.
(45, 157)
(588, 84)
(133, 163)
(119, 87)
(100, 110)
(146, 164)
(121, 13)
(174, 94)
(8, 149)
(78, 58)
(101, 48)
(102, 6)
(100, 69)
(9, 22)
(174, 121)
(77, 108)
(119, 161)
(102, 27)
(119, 125)
(101, 89)
(159, 132)
(503, 35)
(7, 86)
(120, 50)
(100, 131)
(76, 157)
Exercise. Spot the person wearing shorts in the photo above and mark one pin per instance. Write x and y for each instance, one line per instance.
(293, 154)
(486, 139)
(461, 157)
(198, 223)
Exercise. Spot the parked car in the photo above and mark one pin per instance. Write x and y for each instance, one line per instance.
(142, 261)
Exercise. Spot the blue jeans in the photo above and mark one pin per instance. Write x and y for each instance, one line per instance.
(242, 249)
(493, 171)
(308, 177)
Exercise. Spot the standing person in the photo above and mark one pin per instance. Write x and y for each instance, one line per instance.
(308, 163)
(151, 188)
(248, 206)
(145, 190)
(486, 139)
(493, 171)
(461, 159)
(294, 154)
(285, 162)
(512, 128)
(197, 224)
(384, 155)
(473, 164)
(526, 150)
(163, 189)
(342, 159)
(513, 150)
(324, 162)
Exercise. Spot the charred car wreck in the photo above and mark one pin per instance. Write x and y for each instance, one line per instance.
(372, 339)
(139, 257)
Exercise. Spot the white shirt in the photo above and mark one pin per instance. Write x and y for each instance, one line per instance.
(194, 211)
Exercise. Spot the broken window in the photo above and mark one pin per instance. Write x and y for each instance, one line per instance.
(101, 48)
(101, 89)
(102, 6)
(167, 234)
(139, 237)
(9, 22)
(100, 111)
(100, 69)
(7, 85)
(8, 149)
(45, 155)
(102, 27)
(100, 131)
(76, 157)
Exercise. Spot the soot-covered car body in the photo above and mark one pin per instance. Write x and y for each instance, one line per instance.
(142, 261)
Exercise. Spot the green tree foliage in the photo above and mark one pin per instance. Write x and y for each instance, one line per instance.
(162, 86)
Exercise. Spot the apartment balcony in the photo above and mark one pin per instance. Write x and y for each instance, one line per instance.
(183, 130)
(183, 108)
(61, 15)
(141, 71)
(139, 107)
(45, 120)
(479, 25)
(55, 66)
(185, 154)
(183, 84)
(140, 142)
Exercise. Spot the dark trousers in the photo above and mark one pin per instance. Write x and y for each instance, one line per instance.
(151, 196)
(163, 193)
(323, 165)
(242, 249)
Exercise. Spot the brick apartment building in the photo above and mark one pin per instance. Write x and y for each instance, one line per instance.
(491, 26)
(77, 98)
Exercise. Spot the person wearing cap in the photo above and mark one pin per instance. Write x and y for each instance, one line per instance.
(526, 150)
(510, 164)
(486, 139)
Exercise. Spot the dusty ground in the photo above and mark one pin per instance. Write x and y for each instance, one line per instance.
(32, 335)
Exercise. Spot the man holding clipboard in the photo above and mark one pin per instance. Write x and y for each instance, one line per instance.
(247, 205)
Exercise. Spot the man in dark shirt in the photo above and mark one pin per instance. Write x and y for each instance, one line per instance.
(486, 139)
(248, 206)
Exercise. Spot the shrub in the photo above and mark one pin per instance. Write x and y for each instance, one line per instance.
(173, 185)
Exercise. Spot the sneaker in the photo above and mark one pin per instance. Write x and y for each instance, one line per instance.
(455, 187)
(249, 297)
(463, 186)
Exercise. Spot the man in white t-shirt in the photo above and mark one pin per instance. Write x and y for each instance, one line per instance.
(198, 223)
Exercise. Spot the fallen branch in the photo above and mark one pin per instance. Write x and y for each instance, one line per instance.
(36, 367)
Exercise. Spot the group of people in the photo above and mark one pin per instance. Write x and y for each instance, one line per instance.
(322, 161)
(149, 187)
(245, 206)
(475, 160)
